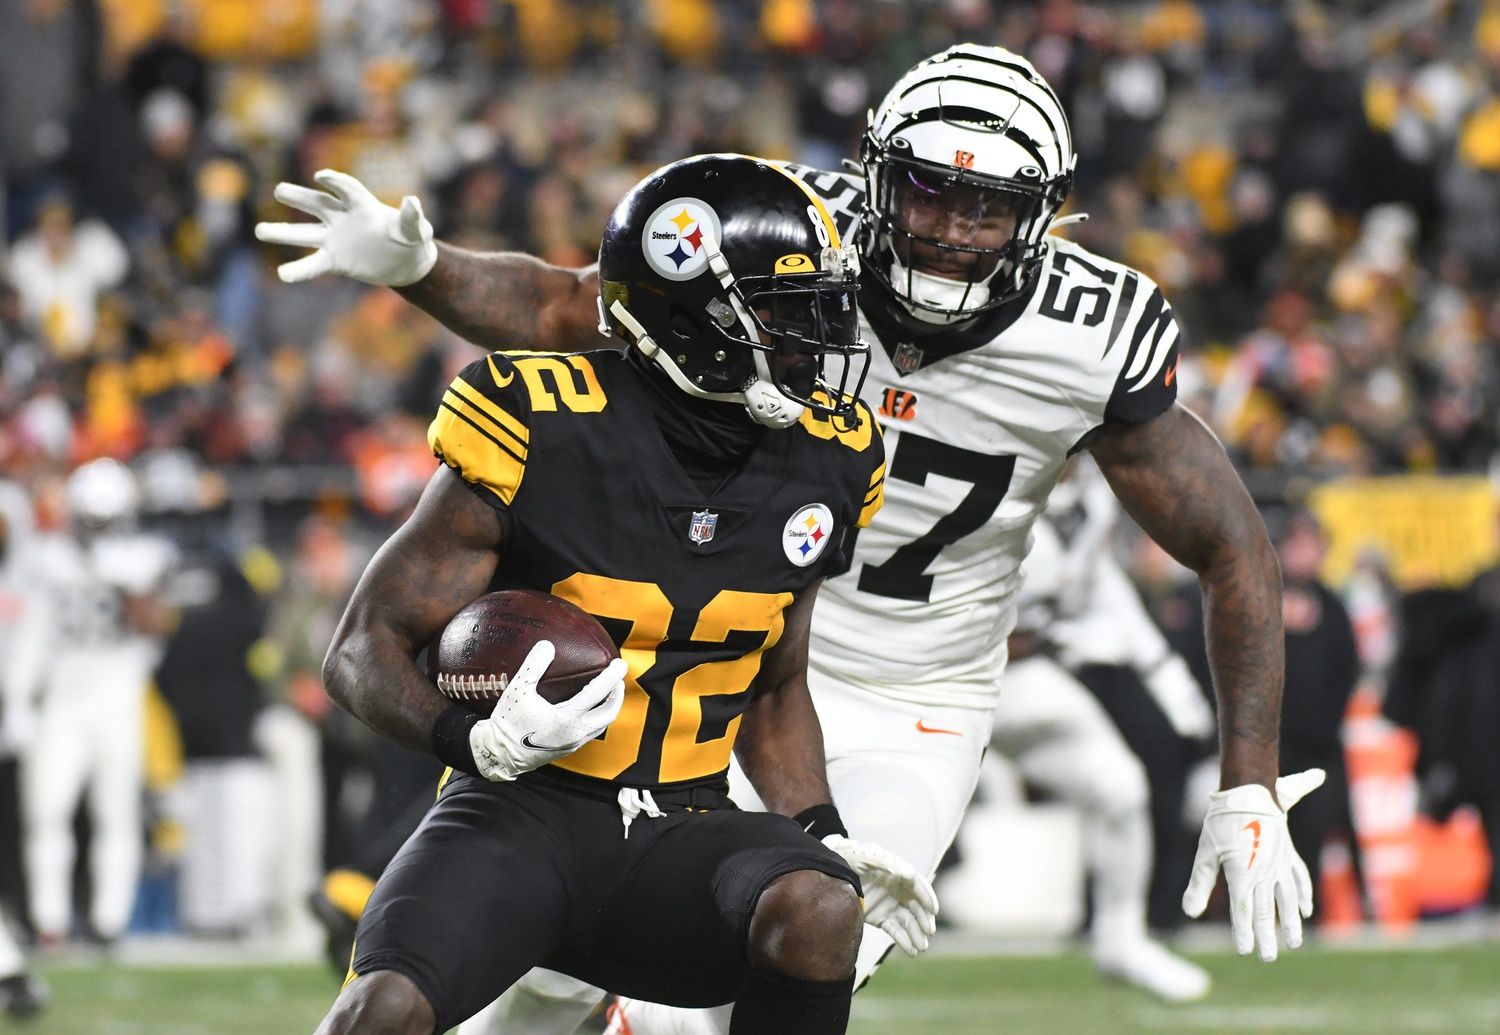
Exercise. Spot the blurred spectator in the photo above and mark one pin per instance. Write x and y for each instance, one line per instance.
(170, 60)
(227, 806)
(1134, 88)
(204, 673)
(47, 51)
(198, 207)
(322, 575)
(60, 270)
(1446, 689)
(1322, 670)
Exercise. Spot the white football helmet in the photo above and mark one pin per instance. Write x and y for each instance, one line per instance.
(102, 493)
(967, 161)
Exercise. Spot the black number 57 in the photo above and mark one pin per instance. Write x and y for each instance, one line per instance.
(1068, 309)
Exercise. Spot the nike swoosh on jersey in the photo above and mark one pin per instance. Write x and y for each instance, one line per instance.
(922, 727)
(495, 374)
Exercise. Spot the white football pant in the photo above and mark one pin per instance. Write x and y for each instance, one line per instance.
(89, 737)
(11, 960)
(1055, 732)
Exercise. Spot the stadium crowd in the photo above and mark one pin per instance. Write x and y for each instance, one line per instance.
(1315, 186)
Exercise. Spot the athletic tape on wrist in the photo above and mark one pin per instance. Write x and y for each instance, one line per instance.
(450, 739)
(821, 821)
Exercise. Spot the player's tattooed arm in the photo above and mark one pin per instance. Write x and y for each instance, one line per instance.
(511, 300)
(441, 559)
(1173, 477)
(780, 743)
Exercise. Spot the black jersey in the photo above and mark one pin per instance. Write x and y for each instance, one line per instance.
(691, 586)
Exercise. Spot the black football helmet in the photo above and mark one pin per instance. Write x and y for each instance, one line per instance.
(729, 274)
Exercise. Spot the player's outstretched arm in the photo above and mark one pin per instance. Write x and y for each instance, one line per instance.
(511, 300)
(497, 299)
(1173, 477)
(438, 561)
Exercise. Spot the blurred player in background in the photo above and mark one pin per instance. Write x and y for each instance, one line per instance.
(1146, 689)
(1078, 607)
(693, 494)
(99, 585)
(1003, 351)
(21, 636)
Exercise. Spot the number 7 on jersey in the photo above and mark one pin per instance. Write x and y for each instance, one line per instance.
(903, 575)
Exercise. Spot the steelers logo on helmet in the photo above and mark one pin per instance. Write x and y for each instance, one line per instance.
(807, 533)
(677, 236)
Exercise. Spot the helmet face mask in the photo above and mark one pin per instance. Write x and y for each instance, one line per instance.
(800, 319)
(728, 274)
(967, 162)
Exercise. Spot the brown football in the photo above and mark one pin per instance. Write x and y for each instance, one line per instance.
(474, 657)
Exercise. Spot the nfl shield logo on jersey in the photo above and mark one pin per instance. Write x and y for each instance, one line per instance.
(701, 530)
(907, 358)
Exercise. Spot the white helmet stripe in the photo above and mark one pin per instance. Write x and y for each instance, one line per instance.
(1016, 90)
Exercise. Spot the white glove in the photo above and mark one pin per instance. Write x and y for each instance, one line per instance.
(1245, 833)
(357, 235)
(898, 899)
(526, 731)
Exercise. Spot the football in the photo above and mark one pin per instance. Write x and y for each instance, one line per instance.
(474, 657)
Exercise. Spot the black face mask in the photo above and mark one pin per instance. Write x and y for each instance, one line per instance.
(710, 440)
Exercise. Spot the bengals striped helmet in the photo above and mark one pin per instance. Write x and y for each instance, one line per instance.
(967, 161)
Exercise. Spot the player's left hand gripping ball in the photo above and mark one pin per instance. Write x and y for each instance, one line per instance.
(898, 899)
(1245, 833)
(526, 731)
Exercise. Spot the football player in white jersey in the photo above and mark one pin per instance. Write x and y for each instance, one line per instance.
(21, 993)
(1003, 350)
(99, 584)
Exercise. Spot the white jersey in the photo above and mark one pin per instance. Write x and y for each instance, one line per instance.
(978, 425)
(87, 585)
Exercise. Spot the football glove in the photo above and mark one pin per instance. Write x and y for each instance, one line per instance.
(357, 235)
(526, 731)
(1245, 832)
(898, 899)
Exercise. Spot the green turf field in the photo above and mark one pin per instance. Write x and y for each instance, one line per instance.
(1453, 990)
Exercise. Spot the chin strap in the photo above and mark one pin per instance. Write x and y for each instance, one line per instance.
(761, 400)
(941, 292)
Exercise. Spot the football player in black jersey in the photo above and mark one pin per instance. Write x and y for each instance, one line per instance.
(1022, 348)
(691, 493)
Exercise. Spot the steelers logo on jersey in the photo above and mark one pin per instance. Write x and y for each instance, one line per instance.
(807, 533)
(677, 236)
